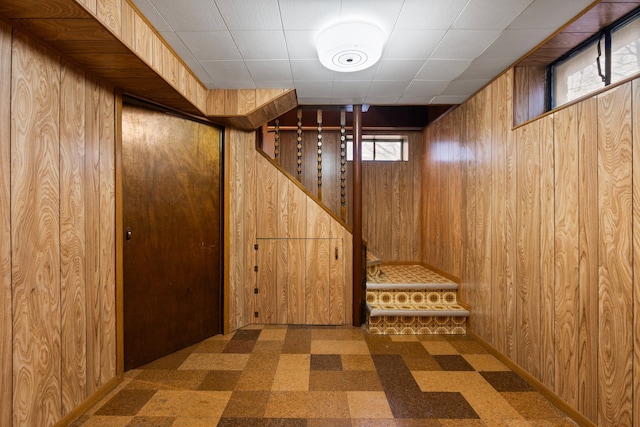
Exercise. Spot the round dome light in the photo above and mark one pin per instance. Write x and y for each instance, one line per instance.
(350, 46)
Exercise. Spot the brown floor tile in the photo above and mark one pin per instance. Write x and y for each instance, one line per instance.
(326, 362)
(312, 404)
(195, 404)
(105, 421)
(328, 422)
(408, 422)
(268, 347)
(217, 361)
(211, 346)
(151, 422)
(339, 347)
(172, 361)
(424, 363)
(240, 346)
(347, 334)
(255, 381)
(220, 380)
(297, 341)
(453, 362)
(167, 379)
(264, 362)
(506, 381)
(246, 335)
(357, 362)
(485, 362)
(344, 381)
(466, 345)
(533, 406)
(369, 404)
(246, 404)
(195, 422)
(439, 347)
(273, 334)
(262, 422)
(126, 402)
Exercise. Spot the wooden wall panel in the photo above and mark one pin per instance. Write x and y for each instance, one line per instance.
(469, 282)
(567, 253)
(72, 238)
(107, 235)
(297, 272)
(267, 282)
(267, 195)
(499, 129)
(249, 218)
(636, 251)
(588, 267)
(483, 214)
(337, 293)
(317, 265)
(5, 227)
(615, 373)
(528, 237)
(110, 13)
(547, 285)
(35, 242)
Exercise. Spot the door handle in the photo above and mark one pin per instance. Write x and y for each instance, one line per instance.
(128, 234)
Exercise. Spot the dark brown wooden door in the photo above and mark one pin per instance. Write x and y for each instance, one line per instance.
(172, 221)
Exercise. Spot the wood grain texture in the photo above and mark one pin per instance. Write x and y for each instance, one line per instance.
(35, 242)
(297, 275)
(636, 250)
(317, 266)
(6, 320)
(510, 222)
(528, 237)
(92, 233)
(588, 267)
(109, 12)
(282, 282)
(337, 294)
(483, 215)
(249, 220)
(499, 129)
(72, 238)
(267, 281)
(107, 234)
(615, 370)
(267, 199)
(547, 284)
(567, 253)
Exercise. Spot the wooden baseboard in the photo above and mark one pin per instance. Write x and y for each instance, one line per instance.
(580, 419)
(89, 402)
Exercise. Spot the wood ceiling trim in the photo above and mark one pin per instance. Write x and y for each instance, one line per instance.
(134, 58)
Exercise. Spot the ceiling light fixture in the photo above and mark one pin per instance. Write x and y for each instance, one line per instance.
(350, 46)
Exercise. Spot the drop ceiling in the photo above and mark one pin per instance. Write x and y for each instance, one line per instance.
(437, 51)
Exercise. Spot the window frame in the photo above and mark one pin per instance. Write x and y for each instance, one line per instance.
(604, 34)
(373, 138)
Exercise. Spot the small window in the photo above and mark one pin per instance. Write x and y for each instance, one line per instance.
(381, 148)
(609, 57)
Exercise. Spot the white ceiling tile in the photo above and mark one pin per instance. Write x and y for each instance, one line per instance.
(464, 87)
(415, 100)
(442, 69)
(225, 72)
(308, 14)
(381, 100)
(274, 84)
(383, 13)
(362, 75)
(489, 14)
(432, 14)
(350, 88)
(250, 14)
(387, 88)
(398, 69)
(483, 68)
(270, 70)
(151, 13)
(200, 15)
(412, 44)
(515, 43)
(425, 87)
(313, 89)
(313, 101)
(260, 44)
(300, 44)
(178, 45)
(448, 100)
(310, 69)
(348, 100)
(464, 44)
(197, 68)
(210, 45)
(549, 14)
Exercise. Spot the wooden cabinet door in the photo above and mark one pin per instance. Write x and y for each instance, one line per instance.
(172, 220)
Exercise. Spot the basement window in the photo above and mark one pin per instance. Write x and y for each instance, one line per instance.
(381, 148)
(610, 56)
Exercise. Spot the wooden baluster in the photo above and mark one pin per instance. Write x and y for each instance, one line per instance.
(276, 142)
(343, 164)
(319, 120)
(300, 145)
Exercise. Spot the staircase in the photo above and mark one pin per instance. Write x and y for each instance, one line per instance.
(411, 300)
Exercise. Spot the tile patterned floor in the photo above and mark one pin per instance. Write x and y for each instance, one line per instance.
(324, 376)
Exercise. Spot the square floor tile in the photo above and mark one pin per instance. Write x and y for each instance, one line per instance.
(126, 402)
(484, 362)
(246, 404)
(369, 404)
(313, 404)
(439, 347)
(357, 362)
(339, 347)
(164, 379)
(452, 362)
(151, 422)
(215, 361)
(506, 381)
(344, 381)
(196, 404)
(326, 362)
(220, 380)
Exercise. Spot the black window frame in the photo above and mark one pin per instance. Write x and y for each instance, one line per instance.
(603, 34)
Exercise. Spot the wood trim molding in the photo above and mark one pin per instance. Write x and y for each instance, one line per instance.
(89, 402)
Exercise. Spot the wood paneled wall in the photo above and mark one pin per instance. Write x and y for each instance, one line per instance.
(265, 206)
(391, 191)
(57, 231)
(548, 244)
